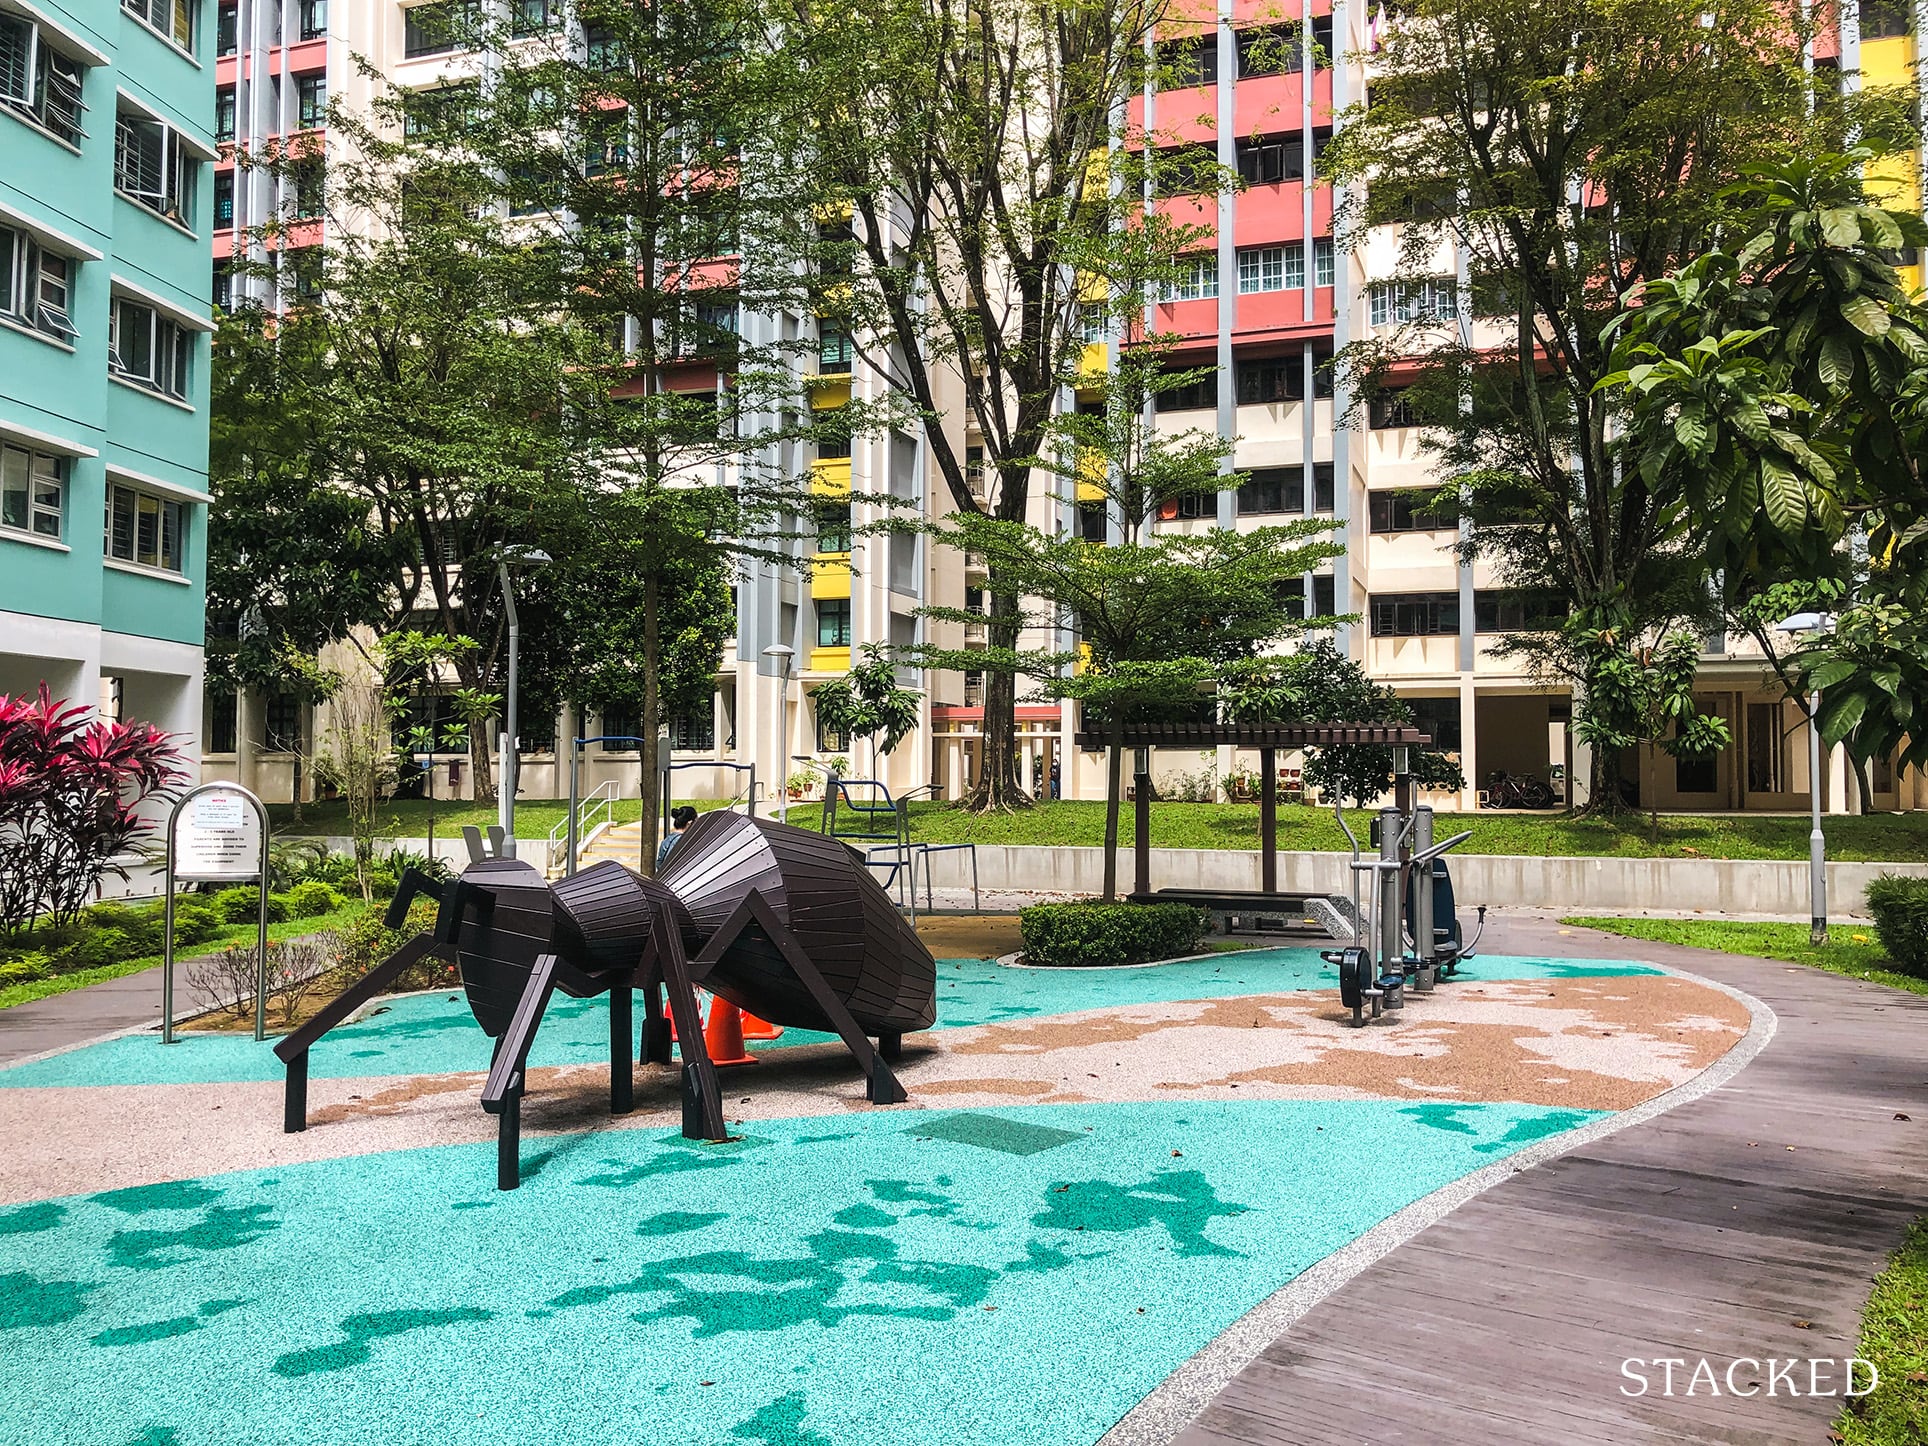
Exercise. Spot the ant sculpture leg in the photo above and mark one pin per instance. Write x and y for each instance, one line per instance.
(508, 1073)
(702, 1093)
(882, 1087)
(293, 1048)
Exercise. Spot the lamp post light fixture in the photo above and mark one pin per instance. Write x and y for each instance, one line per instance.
(784, 656)
(509, 752)
(1803, 625)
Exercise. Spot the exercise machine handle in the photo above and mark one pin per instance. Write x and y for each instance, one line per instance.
(1427, 855)
(1339, 817)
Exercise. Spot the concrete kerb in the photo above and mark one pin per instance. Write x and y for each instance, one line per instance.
(1183, 1396)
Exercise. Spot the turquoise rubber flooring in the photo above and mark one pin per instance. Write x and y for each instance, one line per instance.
(1019, 1277)
(436, 1034)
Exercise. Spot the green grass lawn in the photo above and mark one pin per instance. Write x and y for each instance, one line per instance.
(1852, 950)
(231, 934)
(1879, 838)
(1894, 1335)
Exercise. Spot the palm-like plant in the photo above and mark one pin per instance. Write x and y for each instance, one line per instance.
(72, 788)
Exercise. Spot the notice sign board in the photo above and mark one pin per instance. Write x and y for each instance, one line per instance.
(217, 837)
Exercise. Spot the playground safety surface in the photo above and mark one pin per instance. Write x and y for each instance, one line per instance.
(1098, 1172)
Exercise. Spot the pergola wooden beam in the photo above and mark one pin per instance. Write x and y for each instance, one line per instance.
(1268, 738)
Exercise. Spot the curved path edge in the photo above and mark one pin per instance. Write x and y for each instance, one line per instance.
(1184, 1395)
(1741, 1226)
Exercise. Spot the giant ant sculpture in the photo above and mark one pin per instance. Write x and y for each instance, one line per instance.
(784, 923)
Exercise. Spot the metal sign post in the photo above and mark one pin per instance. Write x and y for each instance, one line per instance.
(226, 841)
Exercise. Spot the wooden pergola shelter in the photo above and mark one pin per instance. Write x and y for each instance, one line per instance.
(1268, 739)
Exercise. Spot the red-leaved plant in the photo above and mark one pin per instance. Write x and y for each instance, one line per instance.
(71, 787)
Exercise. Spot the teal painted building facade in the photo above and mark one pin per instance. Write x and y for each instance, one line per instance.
(106, 195)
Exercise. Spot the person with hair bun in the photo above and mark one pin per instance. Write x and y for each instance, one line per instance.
(680, 818)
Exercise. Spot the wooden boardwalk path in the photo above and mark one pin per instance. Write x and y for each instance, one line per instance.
(1747, 1223)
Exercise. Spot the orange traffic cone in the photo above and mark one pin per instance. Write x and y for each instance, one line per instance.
(754, 1028)
(671, 1013)
(723, 1038)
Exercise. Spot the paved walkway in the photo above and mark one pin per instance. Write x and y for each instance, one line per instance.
(132, 1001)
(1747, 1223)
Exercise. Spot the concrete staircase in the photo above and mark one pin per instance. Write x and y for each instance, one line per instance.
(622, 842)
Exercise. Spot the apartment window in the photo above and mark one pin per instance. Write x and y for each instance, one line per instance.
(224, 113)
(1271, 379)
(1184, 171)
(1885, 19)
(605, 141)
(147, 349)
(152, 167)
(1322, 56)
(221, 712)
(438, 28)
(444, 111)
(1271, 268)
(311, 99)
(1270, 50)
(1191, 60)
(833, 622)
(307, 186)
(1415, 615)
(1398, 302)
(1267, 160)
(1391, 408)
(143, 528)
(33, 491)
(1093, 524)
(302, 270)
(1324, 264)
(533, 192)
(1196, 278)
(223, 200)
(695, 729)
(1325, 599)
(173, 18)
(38, 81)
(227, 30)
(36, 285)
(1404, 511)
(224, 285)
(1190, 506)
(833, 349)
(1272, 489)
(283, 716)
(604, 48)
(528, 17)
(1322, 481)
(832, 447)
(833, 527)
(1192, 396)
(1439, 717)
(1517, 610)
(314, 19)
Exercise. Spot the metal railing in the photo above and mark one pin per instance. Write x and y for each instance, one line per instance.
(601, 799)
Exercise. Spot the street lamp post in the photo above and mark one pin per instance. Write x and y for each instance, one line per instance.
(510, 750)
(1802, 625)
(784, 655)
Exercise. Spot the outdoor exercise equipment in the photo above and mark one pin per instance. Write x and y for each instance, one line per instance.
(1431, 905)
(1409, 932)
(781, 922)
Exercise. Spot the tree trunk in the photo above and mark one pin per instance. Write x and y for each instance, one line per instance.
(652, 712)
(484, 786)
(1863, 789)
(1114, 791)
(997, 784)
(1653, 794)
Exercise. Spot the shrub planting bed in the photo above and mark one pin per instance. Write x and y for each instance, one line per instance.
(1095, 935)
